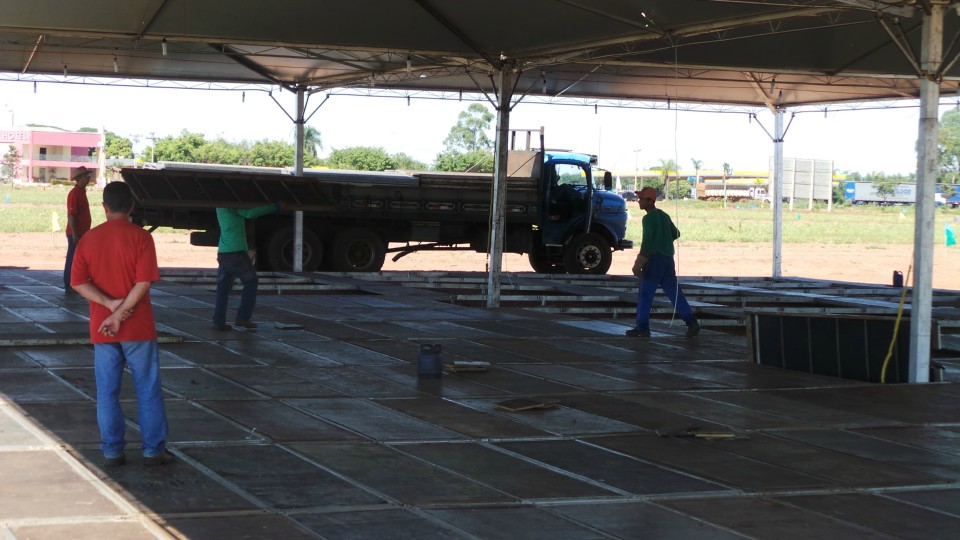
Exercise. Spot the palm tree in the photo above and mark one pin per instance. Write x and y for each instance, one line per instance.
(311, 140)
(696, 167)
(696, 175)
(666, 165)
(727, 170)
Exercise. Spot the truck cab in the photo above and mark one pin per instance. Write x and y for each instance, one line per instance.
(583, 220)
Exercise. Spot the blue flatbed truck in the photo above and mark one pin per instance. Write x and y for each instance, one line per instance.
(557, 213)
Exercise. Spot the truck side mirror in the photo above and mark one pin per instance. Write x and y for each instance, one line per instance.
(607, 180)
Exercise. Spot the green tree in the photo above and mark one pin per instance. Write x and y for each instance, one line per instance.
(10, 164)
(223, 152)
(404, 162)
(467, 146)
(311, 142)
(470, 132)
(475, 161)
(361, 158)
(948, 146)
(727, 172)
(273, 154)
(117, 146)
(883, 186)
(666, 167)
(696, 168)
(184, 148)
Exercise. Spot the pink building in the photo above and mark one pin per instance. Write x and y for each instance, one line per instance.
(49, 155)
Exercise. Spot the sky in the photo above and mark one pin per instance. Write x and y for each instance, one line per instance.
(624, 139)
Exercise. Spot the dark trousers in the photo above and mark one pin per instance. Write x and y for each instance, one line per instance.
(660, 271)
(230, 266)
(71, 249)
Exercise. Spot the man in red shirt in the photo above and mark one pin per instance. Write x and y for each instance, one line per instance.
(114, 267)
(78, 218)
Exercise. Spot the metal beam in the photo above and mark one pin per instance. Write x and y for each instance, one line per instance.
(507, 78)
(298, 169)
(458, 32)
(931, 56)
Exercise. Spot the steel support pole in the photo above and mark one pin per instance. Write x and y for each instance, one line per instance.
(506, 77)
(298, 170)
(921, 304)
(777, 192)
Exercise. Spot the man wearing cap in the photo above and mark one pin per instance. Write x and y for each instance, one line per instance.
(78, 218)
(655, 266)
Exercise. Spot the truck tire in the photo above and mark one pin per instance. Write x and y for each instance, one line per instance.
(587, 253)
(280, 250)
(542, 265)
(357, 250)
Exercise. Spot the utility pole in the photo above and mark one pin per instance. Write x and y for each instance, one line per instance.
(153, 144)
(636, 169)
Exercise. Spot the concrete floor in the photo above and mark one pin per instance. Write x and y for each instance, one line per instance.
(320, 428)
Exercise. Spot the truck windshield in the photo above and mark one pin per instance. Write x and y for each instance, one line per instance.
(571, 175)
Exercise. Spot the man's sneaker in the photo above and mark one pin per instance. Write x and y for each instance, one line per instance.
(693, 329)
(636, 332)
(246, 324)
(114, 461)
(221, 327)
(162, 459)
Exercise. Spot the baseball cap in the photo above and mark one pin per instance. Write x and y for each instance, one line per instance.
(647, 193)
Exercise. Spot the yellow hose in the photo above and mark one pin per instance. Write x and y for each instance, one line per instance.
(896, 328)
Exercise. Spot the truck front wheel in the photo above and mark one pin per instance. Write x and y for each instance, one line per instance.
(357, 250)
(280, 250)
(587, 253)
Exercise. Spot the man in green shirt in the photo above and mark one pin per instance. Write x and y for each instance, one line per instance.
(233, 261)
(655, 266)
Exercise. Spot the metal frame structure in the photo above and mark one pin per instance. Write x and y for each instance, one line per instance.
(753, 53)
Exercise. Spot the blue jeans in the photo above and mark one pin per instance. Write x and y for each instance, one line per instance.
(660, 271)
(143, 360)
(71, 249)
(230, 266)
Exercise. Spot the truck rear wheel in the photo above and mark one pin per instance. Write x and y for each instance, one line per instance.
(357, 250)
(280, 250)
(542, 264)
(587, 253)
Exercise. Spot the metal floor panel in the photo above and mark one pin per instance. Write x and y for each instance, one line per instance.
(509, 523)
(399, 524)
(586, 460)
(465, 420)
(644, 520)
(756, 517)
(506, 473)
(276, 478)
(326, 430)
(400, 477)
(711, 462)
(880, 514)
(278, 422)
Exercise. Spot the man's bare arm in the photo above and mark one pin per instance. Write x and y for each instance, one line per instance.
(111, 325)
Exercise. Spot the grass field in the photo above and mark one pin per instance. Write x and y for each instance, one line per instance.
(709, 222)
(31, 209)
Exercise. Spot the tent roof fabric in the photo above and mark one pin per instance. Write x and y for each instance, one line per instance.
(758, 53)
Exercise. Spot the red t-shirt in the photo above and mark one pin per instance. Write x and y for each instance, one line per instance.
(79, 208)
(114, 256)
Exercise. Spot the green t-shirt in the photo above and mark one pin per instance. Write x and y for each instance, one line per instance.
(233, 231)
(659, 232)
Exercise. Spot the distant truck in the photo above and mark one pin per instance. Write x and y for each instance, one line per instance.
(555, 214)
(732, 191)
(866, 193)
